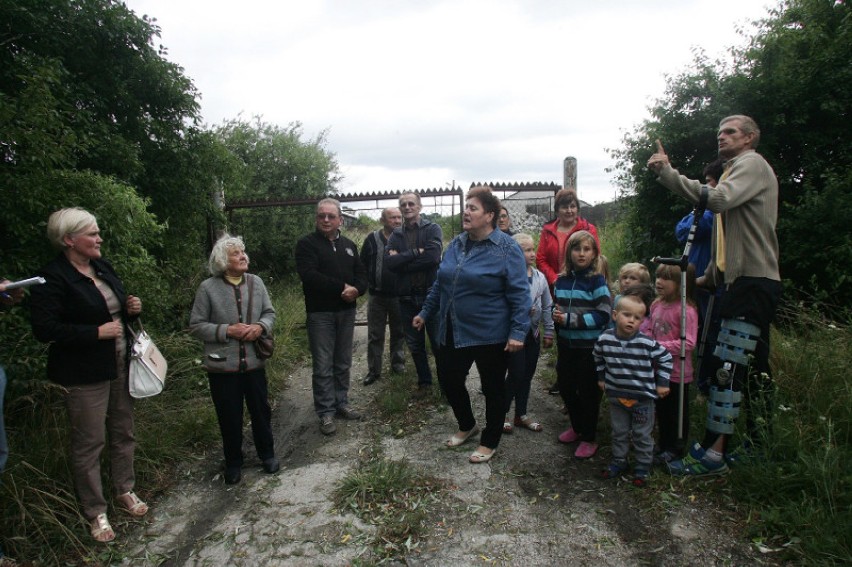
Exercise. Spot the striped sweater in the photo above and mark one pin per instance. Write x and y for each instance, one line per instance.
(632, 368)
(586, 299)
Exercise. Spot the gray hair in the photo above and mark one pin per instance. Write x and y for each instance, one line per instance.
(747, 125)
(414, 193)
(330, 201)
(68, 222)
(218, 262)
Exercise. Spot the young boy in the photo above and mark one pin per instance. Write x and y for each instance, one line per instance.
(633, 371)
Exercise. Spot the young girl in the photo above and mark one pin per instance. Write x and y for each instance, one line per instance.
(583, 310)
(522, 364)
(664, 325)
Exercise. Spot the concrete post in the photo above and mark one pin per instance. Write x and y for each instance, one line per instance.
(569, 170)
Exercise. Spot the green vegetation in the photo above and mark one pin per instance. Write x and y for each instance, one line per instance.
(793, 78)
(393, 496)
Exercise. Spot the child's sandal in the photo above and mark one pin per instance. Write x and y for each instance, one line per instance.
(528, 423)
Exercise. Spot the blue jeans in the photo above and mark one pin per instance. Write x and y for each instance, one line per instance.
(4, 447)
(409, 307)
(330, 337)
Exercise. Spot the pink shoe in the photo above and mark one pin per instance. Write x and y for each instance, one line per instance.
(586, 450)
(568, 436)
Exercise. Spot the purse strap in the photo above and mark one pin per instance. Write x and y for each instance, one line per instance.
(250, 282)
(132, 332)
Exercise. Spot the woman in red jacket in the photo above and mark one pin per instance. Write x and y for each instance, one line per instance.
(550, 257)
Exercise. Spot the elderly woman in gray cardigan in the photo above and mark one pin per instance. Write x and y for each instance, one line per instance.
(231, 310)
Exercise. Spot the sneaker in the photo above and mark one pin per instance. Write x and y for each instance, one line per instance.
(346, 412)
(663, 458)
(640, 478)
(742, 455)
(614, 470)
(553, 389)
(696, 464)
(569, 436)
(369, 379)
(586, 450)
(327, 426)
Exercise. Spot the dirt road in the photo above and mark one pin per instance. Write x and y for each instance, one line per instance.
(534, 504)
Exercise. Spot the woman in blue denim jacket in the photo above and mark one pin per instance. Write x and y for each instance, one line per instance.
(482, 301)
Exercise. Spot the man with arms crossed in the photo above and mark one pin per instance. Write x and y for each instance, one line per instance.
(413, 253)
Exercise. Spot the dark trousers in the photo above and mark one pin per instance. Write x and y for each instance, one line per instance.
(578, 386)
(453, 366)
(755, 301)
(667, 422)
(522, 365)
(228, 392)
(384, 310)
(409, 307)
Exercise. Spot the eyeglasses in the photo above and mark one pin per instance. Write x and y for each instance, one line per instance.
(408, 204)
(326, 216)
(504, 216)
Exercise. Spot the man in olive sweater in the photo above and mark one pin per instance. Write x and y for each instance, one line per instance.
(745, 260)
(332, 279)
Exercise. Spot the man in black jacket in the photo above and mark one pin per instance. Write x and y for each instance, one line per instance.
(332, 279)
(383, 308)
(413, 253)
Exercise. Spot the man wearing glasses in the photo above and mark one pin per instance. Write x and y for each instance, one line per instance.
(413, 253)
(332, 279)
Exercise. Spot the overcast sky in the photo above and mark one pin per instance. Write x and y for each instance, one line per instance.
(421, 94)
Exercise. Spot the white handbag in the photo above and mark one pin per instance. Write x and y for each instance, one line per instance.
(147, 366)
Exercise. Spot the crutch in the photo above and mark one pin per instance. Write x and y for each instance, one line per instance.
(682, 263)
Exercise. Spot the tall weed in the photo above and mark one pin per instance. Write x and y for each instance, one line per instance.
(801, 496)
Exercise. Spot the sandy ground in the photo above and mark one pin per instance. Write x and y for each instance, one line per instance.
(534, 504)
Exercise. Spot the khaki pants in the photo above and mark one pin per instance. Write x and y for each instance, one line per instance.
(94, 410)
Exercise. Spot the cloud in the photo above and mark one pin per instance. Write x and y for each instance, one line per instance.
(417, 94)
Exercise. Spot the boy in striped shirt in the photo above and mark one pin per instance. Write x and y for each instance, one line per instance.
(633, 370)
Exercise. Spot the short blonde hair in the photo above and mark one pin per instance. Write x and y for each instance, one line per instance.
(522, 237)
(636, 269)
(218, 262)
(68, 222)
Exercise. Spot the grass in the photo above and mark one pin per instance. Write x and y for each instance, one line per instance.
(401, 412)
(394, 497)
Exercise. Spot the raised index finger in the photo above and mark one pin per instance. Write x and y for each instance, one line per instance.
(660, 149)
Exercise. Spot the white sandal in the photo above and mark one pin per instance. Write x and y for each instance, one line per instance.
(102, 532)
(131, 504)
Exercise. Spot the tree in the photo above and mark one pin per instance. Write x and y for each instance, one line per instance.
(84, 89)
(793, 78)
(275, 163)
